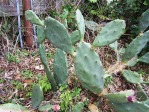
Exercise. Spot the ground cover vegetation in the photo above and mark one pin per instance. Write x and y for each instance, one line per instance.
(97, 62)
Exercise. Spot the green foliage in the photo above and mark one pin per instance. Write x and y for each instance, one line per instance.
(68, 96)
(108, 80)
(44, 83)
(12, 57)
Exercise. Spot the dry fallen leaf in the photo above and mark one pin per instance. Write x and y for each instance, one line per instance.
(40, 67)
(93, 108)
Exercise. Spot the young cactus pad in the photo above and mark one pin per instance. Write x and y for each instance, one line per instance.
(58, 35)
(40, 34)
(80, 23)
(130, 107)
(37, 96)
(132, 77)
(75, 37)
(144, 21)
(110, 33)
(46, 67)
(145, 58)
(88, 68)
(120, 97)
(33, 18)
(136, 46)
(60, 67)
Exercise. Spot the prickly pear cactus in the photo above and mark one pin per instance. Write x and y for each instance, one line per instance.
(92, 25)
(145, 58)
(88, 68)
(120, 97)
(135, 46)
(132, 77)
(110, 33)
(37, 96)
(33, 18)
(40, 34)
(80, 23)
(75, 37)
(130, 107)
(58, 35)
(144, 21)
(78, 107)
(141, 95)
(60, 67)
(45, 108)
(46, 67)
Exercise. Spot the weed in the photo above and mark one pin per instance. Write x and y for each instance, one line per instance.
(108, 81)
(67, 97)
(1, 80)
(50, 55)
(44, 83)
(17, 84)
(12, 58)
(27, 74)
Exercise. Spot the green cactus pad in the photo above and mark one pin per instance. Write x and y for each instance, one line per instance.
(130, 107)
(58, 35)
(132, 62)
(145, 58)
(40, 34)
(45, 108)
(37, 96)
(132, 77)
(46, 67)
(141, 95)
(88, 68)
(120, 97)
(10, 107)
(78, 107)
(60, 67)
(75, 37)
(33, 18)
(92, 25)
(144, 21)
(135, 46)
(110, 33)
(80, 23)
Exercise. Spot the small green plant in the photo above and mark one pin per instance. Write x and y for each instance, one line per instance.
(44, 83)
(67, 97)
(17, 84)
(108, 81)
(27, 74)
(12, 57)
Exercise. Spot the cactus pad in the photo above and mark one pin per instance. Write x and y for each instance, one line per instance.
(92, 25)
(37, 96)
(80, 23)
(120, 97)
(136, 46)
(132, 77)
(130, 107)
(88, 68)
(110, 33)
(144, 21)
(145, 58)
(46, 67)
(75, 37)
(58, 35)
(60, 67)
(33, 18)
(40, 34)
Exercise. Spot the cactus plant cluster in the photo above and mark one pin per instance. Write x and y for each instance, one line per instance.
(88, 66)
